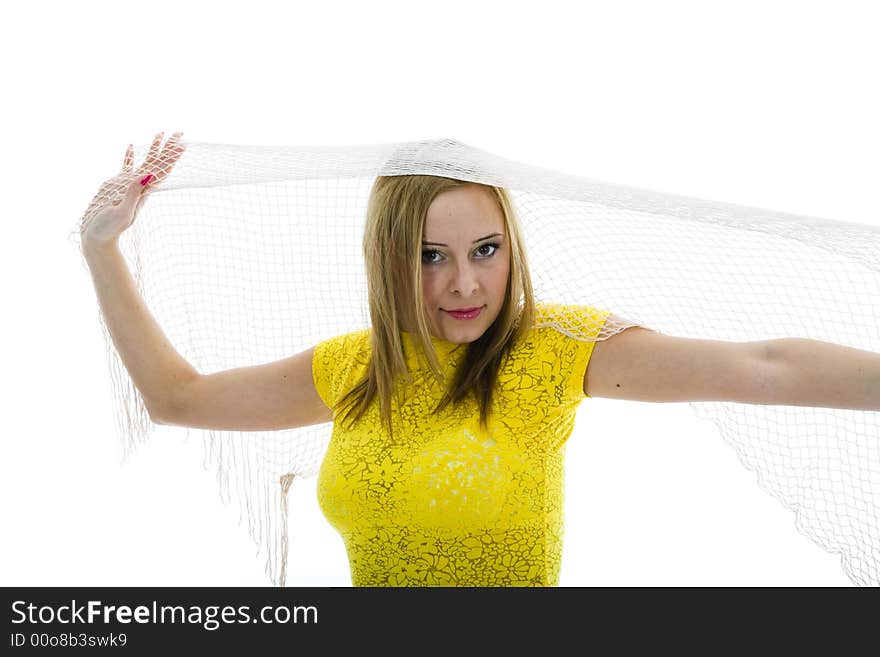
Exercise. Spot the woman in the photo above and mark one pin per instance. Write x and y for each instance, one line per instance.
(452, 411)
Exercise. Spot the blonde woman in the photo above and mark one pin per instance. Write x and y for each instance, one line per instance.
(450, 414)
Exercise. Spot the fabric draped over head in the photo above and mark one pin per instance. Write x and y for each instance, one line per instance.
(249, 254)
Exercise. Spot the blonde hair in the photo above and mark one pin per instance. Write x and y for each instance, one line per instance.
(396, 213)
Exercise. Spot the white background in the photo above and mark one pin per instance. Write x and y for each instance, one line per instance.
(770, 104)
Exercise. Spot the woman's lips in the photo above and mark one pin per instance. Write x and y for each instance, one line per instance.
(469, 314)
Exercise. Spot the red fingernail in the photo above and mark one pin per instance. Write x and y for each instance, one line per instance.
(147, 179)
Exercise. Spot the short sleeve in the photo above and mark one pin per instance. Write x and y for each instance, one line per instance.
(333, 362)
(591, 322)
(571, 344)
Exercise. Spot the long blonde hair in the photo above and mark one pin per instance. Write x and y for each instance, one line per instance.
(396, 214)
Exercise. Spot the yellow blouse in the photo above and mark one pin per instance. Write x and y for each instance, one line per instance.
(449, 504)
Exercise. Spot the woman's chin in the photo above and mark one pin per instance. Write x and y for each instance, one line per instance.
(460, 333)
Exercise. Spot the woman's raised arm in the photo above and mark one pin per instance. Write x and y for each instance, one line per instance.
(152, 362)
(263, 397)
(156, 368)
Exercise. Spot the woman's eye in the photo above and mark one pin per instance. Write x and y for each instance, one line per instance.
(428, 255)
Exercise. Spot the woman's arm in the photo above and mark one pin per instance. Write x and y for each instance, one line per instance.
(640, 364)
(271, 396)
(814, 373)
(643, 365)
(156, 368)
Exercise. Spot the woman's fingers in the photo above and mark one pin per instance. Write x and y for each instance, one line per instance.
(159, 160)
(154, 147)
(172, 148)
(150, 160)
(164, 162)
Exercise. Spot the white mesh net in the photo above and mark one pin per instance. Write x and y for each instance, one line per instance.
(219, 250)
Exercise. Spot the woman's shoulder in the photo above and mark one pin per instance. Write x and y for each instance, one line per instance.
(566, 318)
(345, 343)
(558, 328)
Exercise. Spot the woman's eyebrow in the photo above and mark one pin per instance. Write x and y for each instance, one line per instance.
(474, 242)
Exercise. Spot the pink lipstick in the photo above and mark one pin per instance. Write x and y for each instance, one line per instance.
(466, 313)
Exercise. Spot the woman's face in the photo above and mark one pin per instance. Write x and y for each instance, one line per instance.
(465, 262)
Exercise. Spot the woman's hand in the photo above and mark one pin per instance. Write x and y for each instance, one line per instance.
(115, 206)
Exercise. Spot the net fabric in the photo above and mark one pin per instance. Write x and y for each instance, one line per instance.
(219, 250)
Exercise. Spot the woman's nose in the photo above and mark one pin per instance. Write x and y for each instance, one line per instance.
(464, 281)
